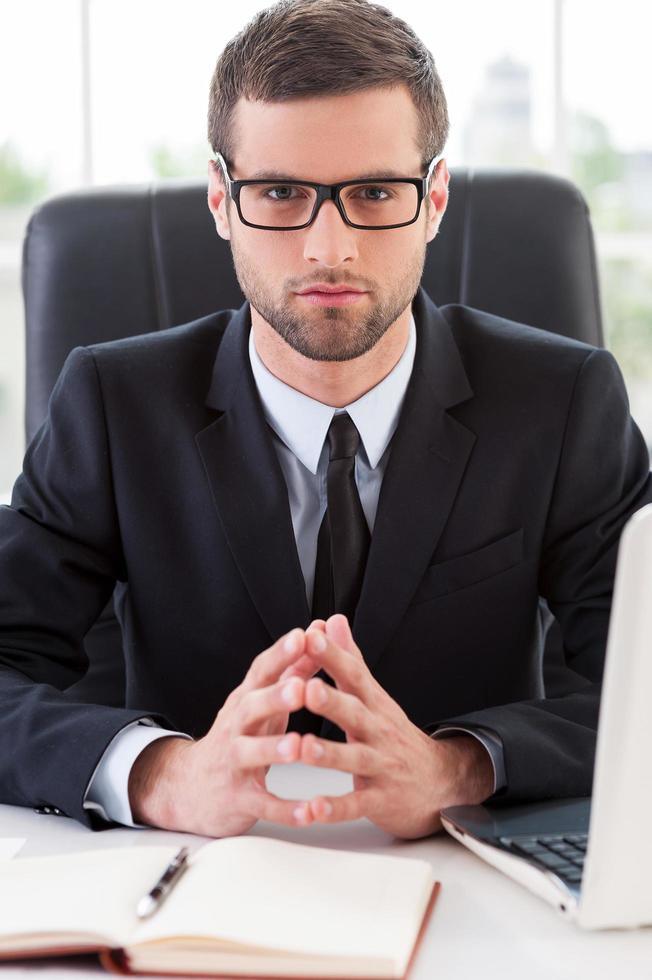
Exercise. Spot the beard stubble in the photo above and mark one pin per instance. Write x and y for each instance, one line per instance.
(326, 333)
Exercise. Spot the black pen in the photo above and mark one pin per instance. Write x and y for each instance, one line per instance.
(154, 899)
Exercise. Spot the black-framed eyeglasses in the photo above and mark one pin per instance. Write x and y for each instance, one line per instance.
(373, 204)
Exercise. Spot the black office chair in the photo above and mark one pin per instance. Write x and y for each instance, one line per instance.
(114, 262)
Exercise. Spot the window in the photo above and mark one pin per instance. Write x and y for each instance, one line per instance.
(111, 91)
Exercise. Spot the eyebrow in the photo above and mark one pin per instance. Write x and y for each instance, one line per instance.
(279, 175)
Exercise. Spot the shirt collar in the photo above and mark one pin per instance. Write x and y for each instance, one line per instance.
(302, 422)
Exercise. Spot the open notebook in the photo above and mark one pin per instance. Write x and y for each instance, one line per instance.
(246, 906)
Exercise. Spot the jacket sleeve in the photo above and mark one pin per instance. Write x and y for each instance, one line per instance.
(603, 477)
(60, 558)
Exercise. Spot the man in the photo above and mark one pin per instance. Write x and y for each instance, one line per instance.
(423, 474)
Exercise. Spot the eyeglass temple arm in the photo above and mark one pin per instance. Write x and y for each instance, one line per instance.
(433, 165)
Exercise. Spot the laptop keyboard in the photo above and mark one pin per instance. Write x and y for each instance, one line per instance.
(562, 854)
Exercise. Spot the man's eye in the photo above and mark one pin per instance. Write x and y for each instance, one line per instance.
(371, 193)
(280, 192)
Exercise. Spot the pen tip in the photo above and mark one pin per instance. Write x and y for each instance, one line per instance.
(145, 907)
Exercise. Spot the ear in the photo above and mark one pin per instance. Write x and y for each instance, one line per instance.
(438, 199)
(217, 200)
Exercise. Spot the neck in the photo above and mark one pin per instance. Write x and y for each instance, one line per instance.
(335, 383)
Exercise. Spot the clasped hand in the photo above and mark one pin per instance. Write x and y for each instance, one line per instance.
(402, 778)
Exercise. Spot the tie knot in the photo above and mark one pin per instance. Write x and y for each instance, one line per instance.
(343, 437)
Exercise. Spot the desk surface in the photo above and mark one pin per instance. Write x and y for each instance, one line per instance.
(484, 926)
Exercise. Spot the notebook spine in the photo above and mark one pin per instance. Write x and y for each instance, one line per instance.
(114, 961)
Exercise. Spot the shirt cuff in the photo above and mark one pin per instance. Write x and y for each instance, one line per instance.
(108, 789)
(492, 743)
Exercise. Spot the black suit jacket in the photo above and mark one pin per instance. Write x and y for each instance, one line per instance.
(512, 471)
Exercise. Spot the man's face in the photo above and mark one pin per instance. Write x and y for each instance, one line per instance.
(329, 139)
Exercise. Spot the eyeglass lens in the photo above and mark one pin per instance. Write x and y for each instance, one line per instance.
(290, 205)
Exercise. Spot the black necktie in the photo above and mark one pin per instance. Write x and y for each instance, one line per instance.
(343, 541)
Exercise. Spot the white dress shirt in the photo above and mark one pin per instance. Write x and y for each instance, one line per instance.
(298, 427)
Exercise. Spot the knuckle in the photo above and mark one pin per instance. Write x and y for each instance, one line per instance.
(365, 757)
(222, 730)
(246, 713)
(356, 716)
(393, 764)
(356, 673)
(235, 751)
(231, 700)
(256, 667)
(385, 730)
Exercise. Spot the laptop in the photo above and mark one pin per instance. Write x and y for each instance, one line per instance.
(592, 857)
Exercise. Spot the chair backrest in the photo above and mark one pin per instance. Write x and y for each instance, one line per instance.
(114, 262)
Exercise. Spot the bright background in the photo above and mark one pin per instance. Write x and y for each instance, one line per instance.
(115, 91)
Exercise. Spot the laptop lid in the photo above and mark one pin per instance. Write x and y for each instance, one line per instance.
(616, 886)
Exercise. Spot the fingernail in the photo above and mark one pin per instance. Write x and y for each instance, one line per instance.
(317, 750)
(327, 808)
(318, 641)
(319, 692)
(300, 813)
(291, 644)
(290, 691)
(284, 747)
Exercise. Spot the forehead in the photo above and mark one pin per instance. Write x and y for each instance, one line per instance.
(328, 138)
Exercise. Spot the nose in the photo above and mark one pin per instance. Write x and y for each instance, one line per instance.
(329, 240)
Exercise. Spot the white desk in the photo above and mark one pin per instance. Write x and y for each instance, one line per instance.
(484, 926)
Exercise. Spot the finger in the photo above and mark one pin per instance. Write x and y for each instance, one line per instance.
(263, 703)
(339, 630)
(304, 667)
(350, 673)
(349, 806)
(319, 624)
(256, 751)
(346, 710)
(266, 806)
(268, 666)
(354, 757)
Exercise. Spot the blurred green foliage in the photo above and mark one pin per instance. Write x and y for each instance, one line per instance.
(594, 159)
(18, 184)
(179, 163)
(618, 205)
(601, 172)
(626, 287)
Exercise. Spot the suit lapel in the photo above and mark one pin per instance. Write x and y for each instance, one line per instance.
(429, 454)
(248, 486)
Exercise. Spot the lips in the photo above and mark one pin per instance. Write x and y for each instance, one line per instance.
(325, 288)
(332, 297)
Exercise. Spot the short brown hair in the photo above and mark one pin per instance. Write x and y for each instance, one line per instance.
(302, 48)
